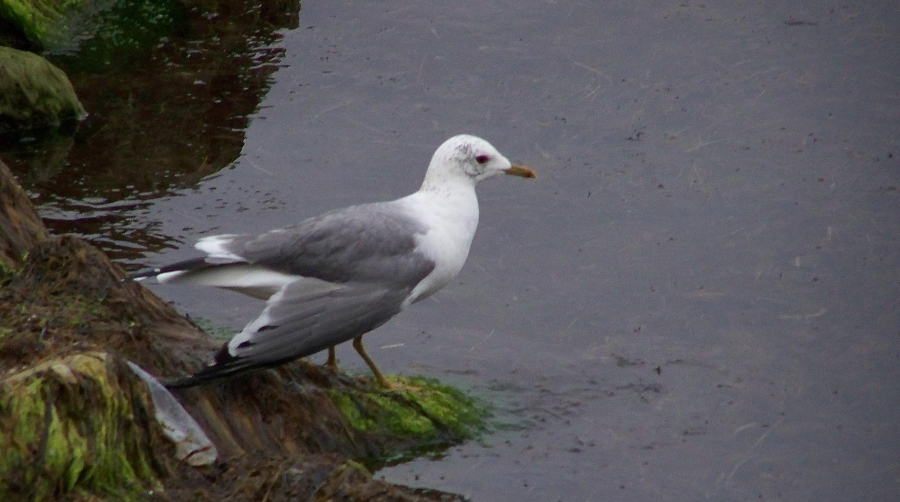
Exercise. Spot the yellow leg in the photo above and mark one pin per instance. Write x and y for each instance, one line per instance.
(332, 360)
(357, 344)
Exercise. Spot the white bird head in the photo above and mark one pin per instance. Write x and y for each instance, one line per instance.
(471, 159)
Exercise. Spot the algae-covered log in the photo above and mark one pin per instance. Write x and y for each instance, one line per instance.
(72, 424)
(77, 422)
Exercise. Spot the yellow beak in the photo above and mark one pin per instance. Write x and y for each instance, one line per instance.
(520, 170)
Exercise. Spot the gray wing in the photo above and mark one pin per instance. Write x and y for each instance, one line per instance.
(328, 279)
(302, 319)
(372, 242)
(369, 243)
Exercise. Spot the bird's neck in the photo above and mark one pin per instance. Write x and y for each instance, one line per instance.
(442, 181)
(452, 201)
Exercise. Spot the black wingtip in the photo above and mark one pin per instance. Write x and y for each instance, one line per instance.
(204, 376)
(180, 383)
(182, 266)
(225, 365)
(142, 274)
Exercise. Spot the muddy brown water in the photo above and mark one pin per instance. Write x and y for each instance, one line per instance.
(697, 299)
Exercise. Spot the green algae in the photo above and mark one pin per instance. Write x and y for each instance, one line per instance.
(426, 411)
(68, 427)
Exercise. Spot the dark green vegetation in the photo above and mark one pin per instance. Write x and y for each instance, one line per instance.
(104, 31)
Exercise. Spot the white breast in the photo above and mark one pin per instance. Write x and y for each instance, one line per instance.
(451, 218)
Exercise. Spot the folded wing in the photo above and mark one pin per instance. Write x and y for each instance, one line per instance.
(326, 280)
(303, 318)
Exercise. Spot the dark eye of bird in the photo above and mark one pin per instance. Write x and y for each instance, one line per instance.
(481, 159)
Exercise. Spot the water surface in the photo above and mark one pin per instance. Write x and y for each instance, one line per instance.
(697, 299)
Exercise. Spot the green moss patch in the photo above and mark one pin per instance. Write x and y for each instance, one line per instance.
(34, 92)
(431, 414)
(71, 426)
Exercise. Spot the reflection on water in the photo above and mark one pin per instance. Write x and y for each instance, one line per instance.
(177, 118)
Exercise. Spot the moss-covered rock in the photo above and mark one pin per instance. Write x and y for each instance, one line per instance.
(34, 92)
(51, 448)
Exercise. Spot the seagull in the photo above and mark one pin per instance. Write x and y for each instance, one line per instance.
(334, 277)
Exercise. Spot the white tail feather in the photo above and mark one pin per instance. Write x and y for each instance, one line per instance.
(251, 280)
(215, 246)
